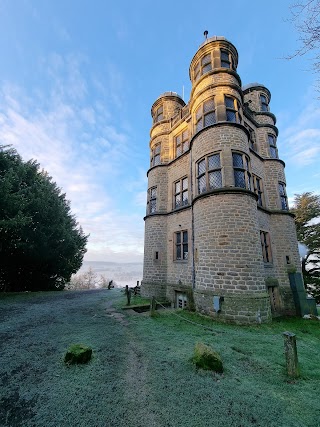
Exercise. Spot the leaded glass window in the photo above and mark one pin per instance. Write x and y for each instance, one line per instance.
(205, 115)
(242, 175)
(158, 114)
(180, 193)
(283, 196)
(225, 59)
(156, 155)
(197, 71)
(206, 64)
(152, 200)
(202, 67)
(272, 146)
(252, 137)
(264, 103)
(209, 174)
(265, 246)
(181, 245)
(182, 143)
(232, 113)
(258, 189)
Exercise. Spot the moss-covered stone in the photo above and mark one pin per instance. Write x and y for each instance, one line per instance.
(271, 281)
(206, 358)
(78, 353)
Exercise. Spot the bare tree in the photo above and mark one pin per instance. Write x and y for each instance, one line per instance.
(90, 278)
(306, 17)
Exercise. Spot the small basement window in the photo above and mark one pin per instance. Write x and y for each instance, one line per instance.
(181, 300)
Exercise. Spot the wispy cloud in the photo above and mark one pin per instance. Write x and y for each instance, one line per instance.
(299, 144)
(303, 146)
(302, 139)
(84, 149)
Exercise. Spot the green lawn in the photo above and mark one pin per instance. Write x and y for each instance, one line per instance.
(141, 373)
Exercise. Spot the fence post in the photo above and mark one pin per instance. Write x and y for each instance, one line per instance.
(290, 350)
(152, 306)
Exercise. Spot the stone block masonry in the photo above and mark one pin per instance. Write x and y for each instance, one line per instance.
(227, 232)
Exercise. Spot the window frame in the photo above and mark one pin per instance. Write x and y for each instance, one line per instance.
(198, 69)
(273, 150)
(207, 172)
(201, 114)
(156, 155)
(181, 242)
(224, 60)
(252, 137)
(205, 64)
(258, 189)
(180, 193)
(264, 105)
(245, 169)
(158, 114)
(183, 144)
(152, 200)
(266, 246)
(283, 196)
(234, 109)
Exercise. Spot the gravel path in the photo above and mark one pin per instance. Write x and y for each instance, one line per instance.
(37, 389)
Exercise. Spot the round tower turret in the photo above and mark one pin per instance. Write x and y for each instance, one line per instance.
(257, 98)
(166, 106)
(216, 223)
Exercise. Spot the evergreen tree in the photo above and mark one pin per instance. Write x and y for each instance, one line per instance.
(41, 244)
(307, 211)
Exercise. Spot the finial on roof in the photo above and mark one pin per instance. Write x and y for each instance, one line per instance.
(205, 34)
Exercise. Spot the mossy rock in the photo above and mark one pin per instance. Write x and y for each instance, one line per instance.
(78, 353)
(206, 358)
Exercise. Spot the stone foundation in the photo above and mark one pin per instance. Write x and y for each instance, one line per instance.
(173, 288)
(153, 289)
(236, 308)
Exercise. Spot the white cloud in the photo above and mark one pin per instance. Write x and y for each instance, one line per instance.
(301, 141)
(75, 140)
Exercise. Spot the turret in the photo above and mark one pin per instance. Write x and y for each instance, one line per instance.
(217, 224)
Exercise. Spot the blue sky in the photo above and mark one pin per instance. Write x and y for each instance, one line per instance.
(78, 78)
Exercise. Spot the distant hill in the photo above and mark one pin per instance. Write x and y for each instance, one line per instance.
(122, 273)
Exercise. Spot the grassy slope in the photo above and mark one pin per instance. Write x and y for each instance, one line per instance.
(141, 374)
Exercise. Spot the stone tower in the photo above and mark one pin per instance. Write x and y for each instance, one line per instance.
(217, 227)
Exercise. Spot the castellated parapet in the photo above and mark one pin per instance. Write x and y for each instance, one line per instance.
(217, 220)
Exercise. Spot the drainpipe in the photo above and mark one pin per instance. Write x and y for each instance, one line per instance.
(192, 224)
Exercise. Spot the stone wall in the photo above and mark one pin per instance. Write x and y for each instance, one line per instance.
(224, 247)
(246, 308)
